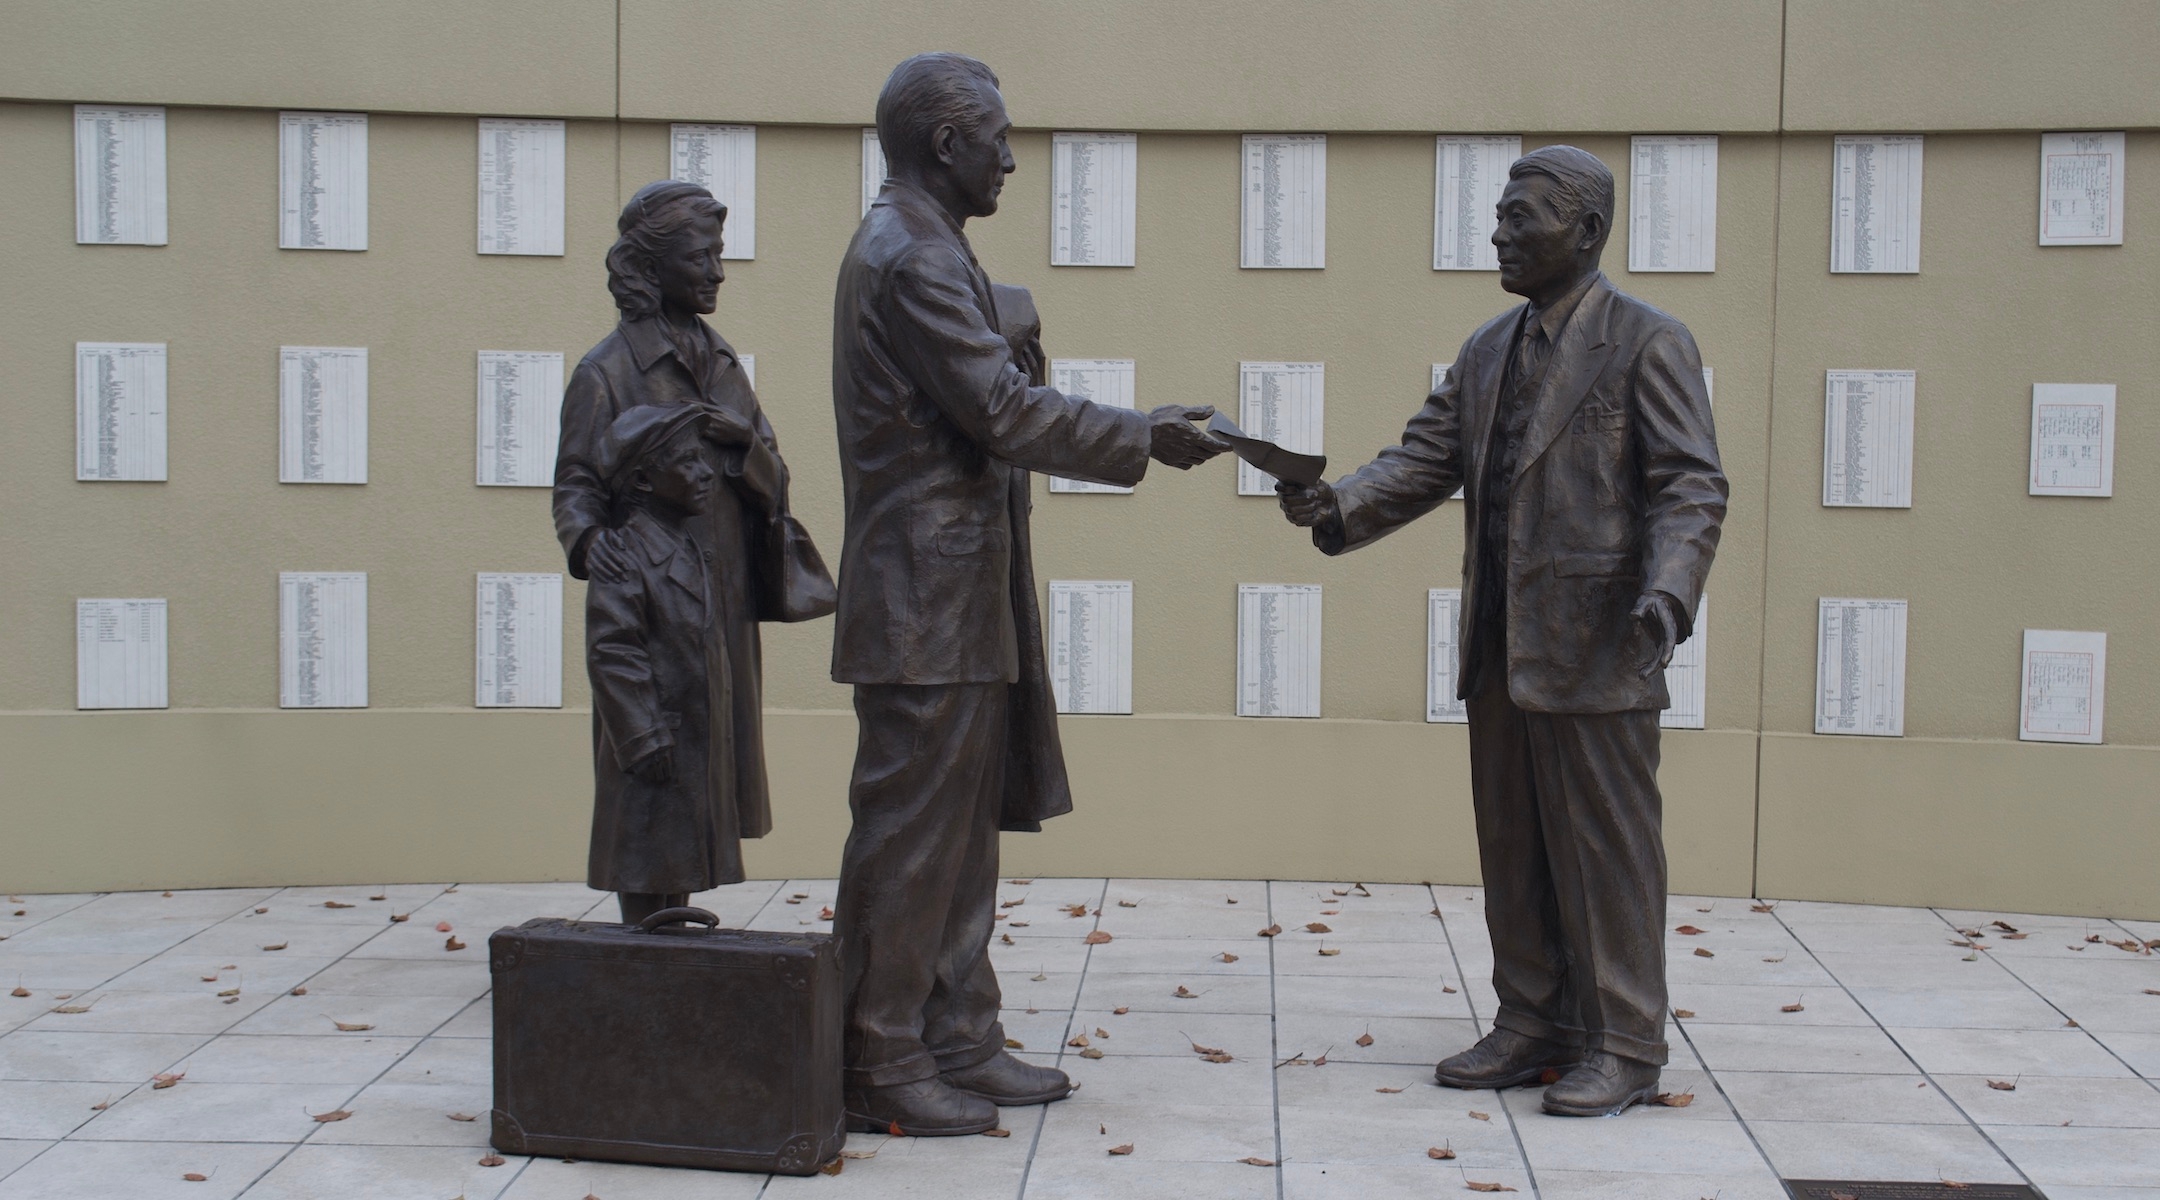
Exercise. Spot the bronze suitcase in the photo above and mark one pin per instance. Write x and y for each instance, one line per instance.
(664, 1043)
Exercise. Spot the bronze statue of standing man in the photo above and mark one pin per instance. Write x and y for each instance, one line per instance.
(1578, 426)
(938, 431)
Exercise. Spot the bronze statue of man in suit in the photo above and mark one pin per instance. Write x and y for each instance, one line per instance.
(1578, 427)
(936, 629)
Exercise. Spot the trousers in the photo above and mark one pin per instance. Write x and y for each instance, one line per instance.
(1570, 838)
(918, 881)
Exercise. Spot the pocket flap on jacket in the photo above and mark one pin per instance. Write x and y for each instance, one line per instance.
(1595, 563)
(969, 540)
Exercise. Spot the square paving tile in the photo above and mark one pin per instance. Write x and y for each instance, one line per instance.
(322, 1172)
(1845, 1150)
(194, 1111)
(78, 1170)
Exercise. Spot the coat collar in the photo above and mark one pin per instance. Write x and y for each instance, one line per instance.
(906, 197)
(661, 544)
(649, 342)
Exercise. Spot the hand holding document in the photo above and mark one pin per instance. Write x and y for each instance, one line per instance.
(1285, 465)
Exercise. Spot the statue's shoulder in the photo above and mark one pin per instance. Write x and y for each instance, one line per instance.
(1636, 318)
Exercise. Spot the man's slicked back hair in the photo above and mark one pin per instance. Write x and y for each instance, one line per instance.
(1581, 183)
(925, 92)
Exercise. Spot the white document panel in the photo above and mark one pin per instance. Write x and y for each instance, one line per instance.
(1469, 173)
(1686, 676)
(1875, 205)
(873, 167)
(322, 639)
(2081, 189)
(322, 414)
(120, 410)
(1284, 403)
(1284, 214)
(1672, 204)
(517, 641)
(1439, 375)
(2065, 687)
(1868, 439)
(722, 159)
(1091, 645)
(120, 654)
(322, 181)
(119, 176)
(1860, 667)
(1278, 650)
(749, 368)
(1443, 657)
(2073, 440)
(520, 409)
(1104, 381)
(1094, 198)
(521, 186)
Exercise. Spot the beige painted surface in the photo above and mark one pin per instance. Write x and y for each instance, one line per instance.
(1457, 65)
(530, 58)
(1910, 65)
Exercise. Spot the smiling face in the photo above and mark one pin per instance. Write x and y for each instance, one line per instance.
(1541, 253)
(690, 275)
(678, 476)
(978, 162)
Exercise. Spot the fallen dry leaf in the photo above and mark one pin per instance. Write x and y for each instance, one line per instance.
(168, 895)
(2015, 937)
(1361, 889)
(277, 946)
(1330, 912)
(337, 1114)
(1128, 904)
(1475, 1186)
(1006, 938)
(1258, 1162)
(442, 926)
(1340, 891)
(1019, 924)
(209, 979)
(987, 1133)
(335, 904)
(101, 1106)
(1795, 1006)
(73, 1009)
(1440, 1153)
(2148, 991)
(824, 914)
(451, 943)
(1322, 1060)
(1327, 953)
(1227, 957)
(2005, 926)
(1185, 993)
(230, 992)
(196, 1177)
(1683, 1013)
(1271, 931)
(1690, 930)
(1780, 958)
(1014, 1044)
(1701, 952)
(1316, 927)
(1121, 1151)
(350, 1026)
(1673, 1099)
(1475, 1115)
(2093, 938)
(380, 896)
(496, 1160)
(1762, 908)
(1102, 1033)
(1091, 1053)
(261, 911)
(2002, 1086)
(799, 895)
(21, 992)
(1038, 977)
(1389, 1091)
(1096, 937)
(300, 991)
(1119, 1011)
(1365, 1038)
(1447, 990)
(1077, 1041)
(1712, 908)
(1019, 882)
(834, 1167)
(1075, 910)
(462, 1116)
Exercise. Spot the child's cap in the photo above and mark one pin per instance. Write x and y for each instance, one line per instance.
(641, 432)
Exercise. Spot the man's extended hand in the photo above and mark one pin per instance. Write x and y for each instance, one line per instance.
(1309, 507)
(1173, 441)
(1660, 616)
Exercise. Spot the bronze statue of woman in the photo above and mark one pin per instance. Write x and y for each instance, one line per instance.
(665, 273)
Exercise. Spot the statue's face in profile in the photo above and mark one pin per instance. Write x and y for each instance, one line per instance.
(680, 476)
(980, 161)
(1539, 249)
(690, 274)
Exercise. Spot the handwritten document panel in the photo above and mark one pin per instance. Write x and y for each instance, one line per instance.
(322, 414)
(1104, 381)
(1284, 403)
(1672, 204)
(120, 410)
(722, 159)
(119, 176)
(1860, 667)
(521, 186)
(519, 402)
(1443, 657)
(1278, 671)
(1284, 215)
(1875, 205)
(2065, 687)
(1091, 645)
(322, 181)
(873, 168)
(2073, 440)
(2081, 189)
(1868, 439)
(322, 639)
(120, 654)
(1469, 173)
(1687, 676)
(517, 641)
(1094, 198)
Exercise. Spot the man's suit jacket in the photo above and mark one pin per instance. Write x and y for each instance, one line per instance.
(934, 418)
(1617, 491)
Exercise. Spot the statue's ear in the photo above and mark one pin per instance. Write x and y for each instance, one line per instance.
(641, 480)
(945, 143)
(1593, 229)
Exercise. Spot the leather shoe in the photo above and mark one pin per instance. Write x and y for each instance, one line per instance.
(1505, 1059)
(1004, 1080)
(923, 1108)
(1604, 1086)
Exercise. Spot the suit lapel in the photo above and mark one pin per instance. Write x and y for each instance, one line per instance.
(1575, 364)
(1483, 399)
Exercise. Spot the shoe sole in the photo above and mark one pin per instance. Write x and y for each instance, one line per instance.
(858, 1123)
(1017, 1101)
(1571, 1110)
(1518, 1079)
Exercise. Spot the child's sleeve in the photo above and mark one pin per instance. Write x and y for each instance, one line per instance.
(623, 690)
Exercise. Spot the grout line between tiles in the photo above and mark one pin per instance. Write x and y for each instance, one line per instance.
(1719, 1085)
(1267, 890)
(1042, 1111)
(1470, 1001)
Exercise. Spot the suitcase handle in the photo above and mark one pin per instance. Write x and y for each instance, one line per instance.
(678, 916)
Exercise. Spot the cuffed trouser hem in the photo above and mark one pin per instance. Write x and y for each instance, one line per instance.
(961, 1060)
(1529, 1026)
(1653, 1053)
(912, 1069)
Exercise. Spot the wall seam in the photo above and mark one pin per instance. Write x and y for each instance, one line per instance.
(1762, 615)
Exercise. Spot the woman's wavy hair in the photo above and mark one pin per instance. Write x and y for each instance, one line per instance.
(649, 226)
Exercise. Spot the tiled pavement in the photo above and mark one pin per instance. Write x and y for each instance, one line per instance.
(1886, 1071)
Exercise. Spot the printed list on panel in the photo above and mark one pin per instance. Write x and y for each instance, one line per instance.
(1104, 381)
(1094, 198)
(2065, 686)
(1284, 403)
(1284, 212)
(1443, 657)
(322, 181)
(120, 654)
(322, 639)
(1469, 173)
(1672, 204)
(1868, 439)
(521, 186)
(119, 176)
(2081, 189)
(1860, 667)
(1278, 671)
(322, 414)
(517, 641)
(120, 411)
(1091, 645)
(2073, 440)
(722, 159)
(1875, 205)
(520, 396)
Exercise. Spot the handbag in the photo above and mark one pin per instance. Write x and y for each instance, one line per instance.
(792, 583)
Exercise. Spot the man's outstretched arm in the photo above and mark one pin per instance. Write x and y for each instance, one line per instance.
(1401, 484)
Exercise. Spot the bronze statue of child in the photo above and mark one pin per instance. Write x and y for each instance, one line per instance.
(665, 823)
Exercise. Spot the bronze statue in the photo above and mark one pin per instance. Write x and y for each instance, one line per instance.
(939, 428)
(1579, 428)
(754, 559)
